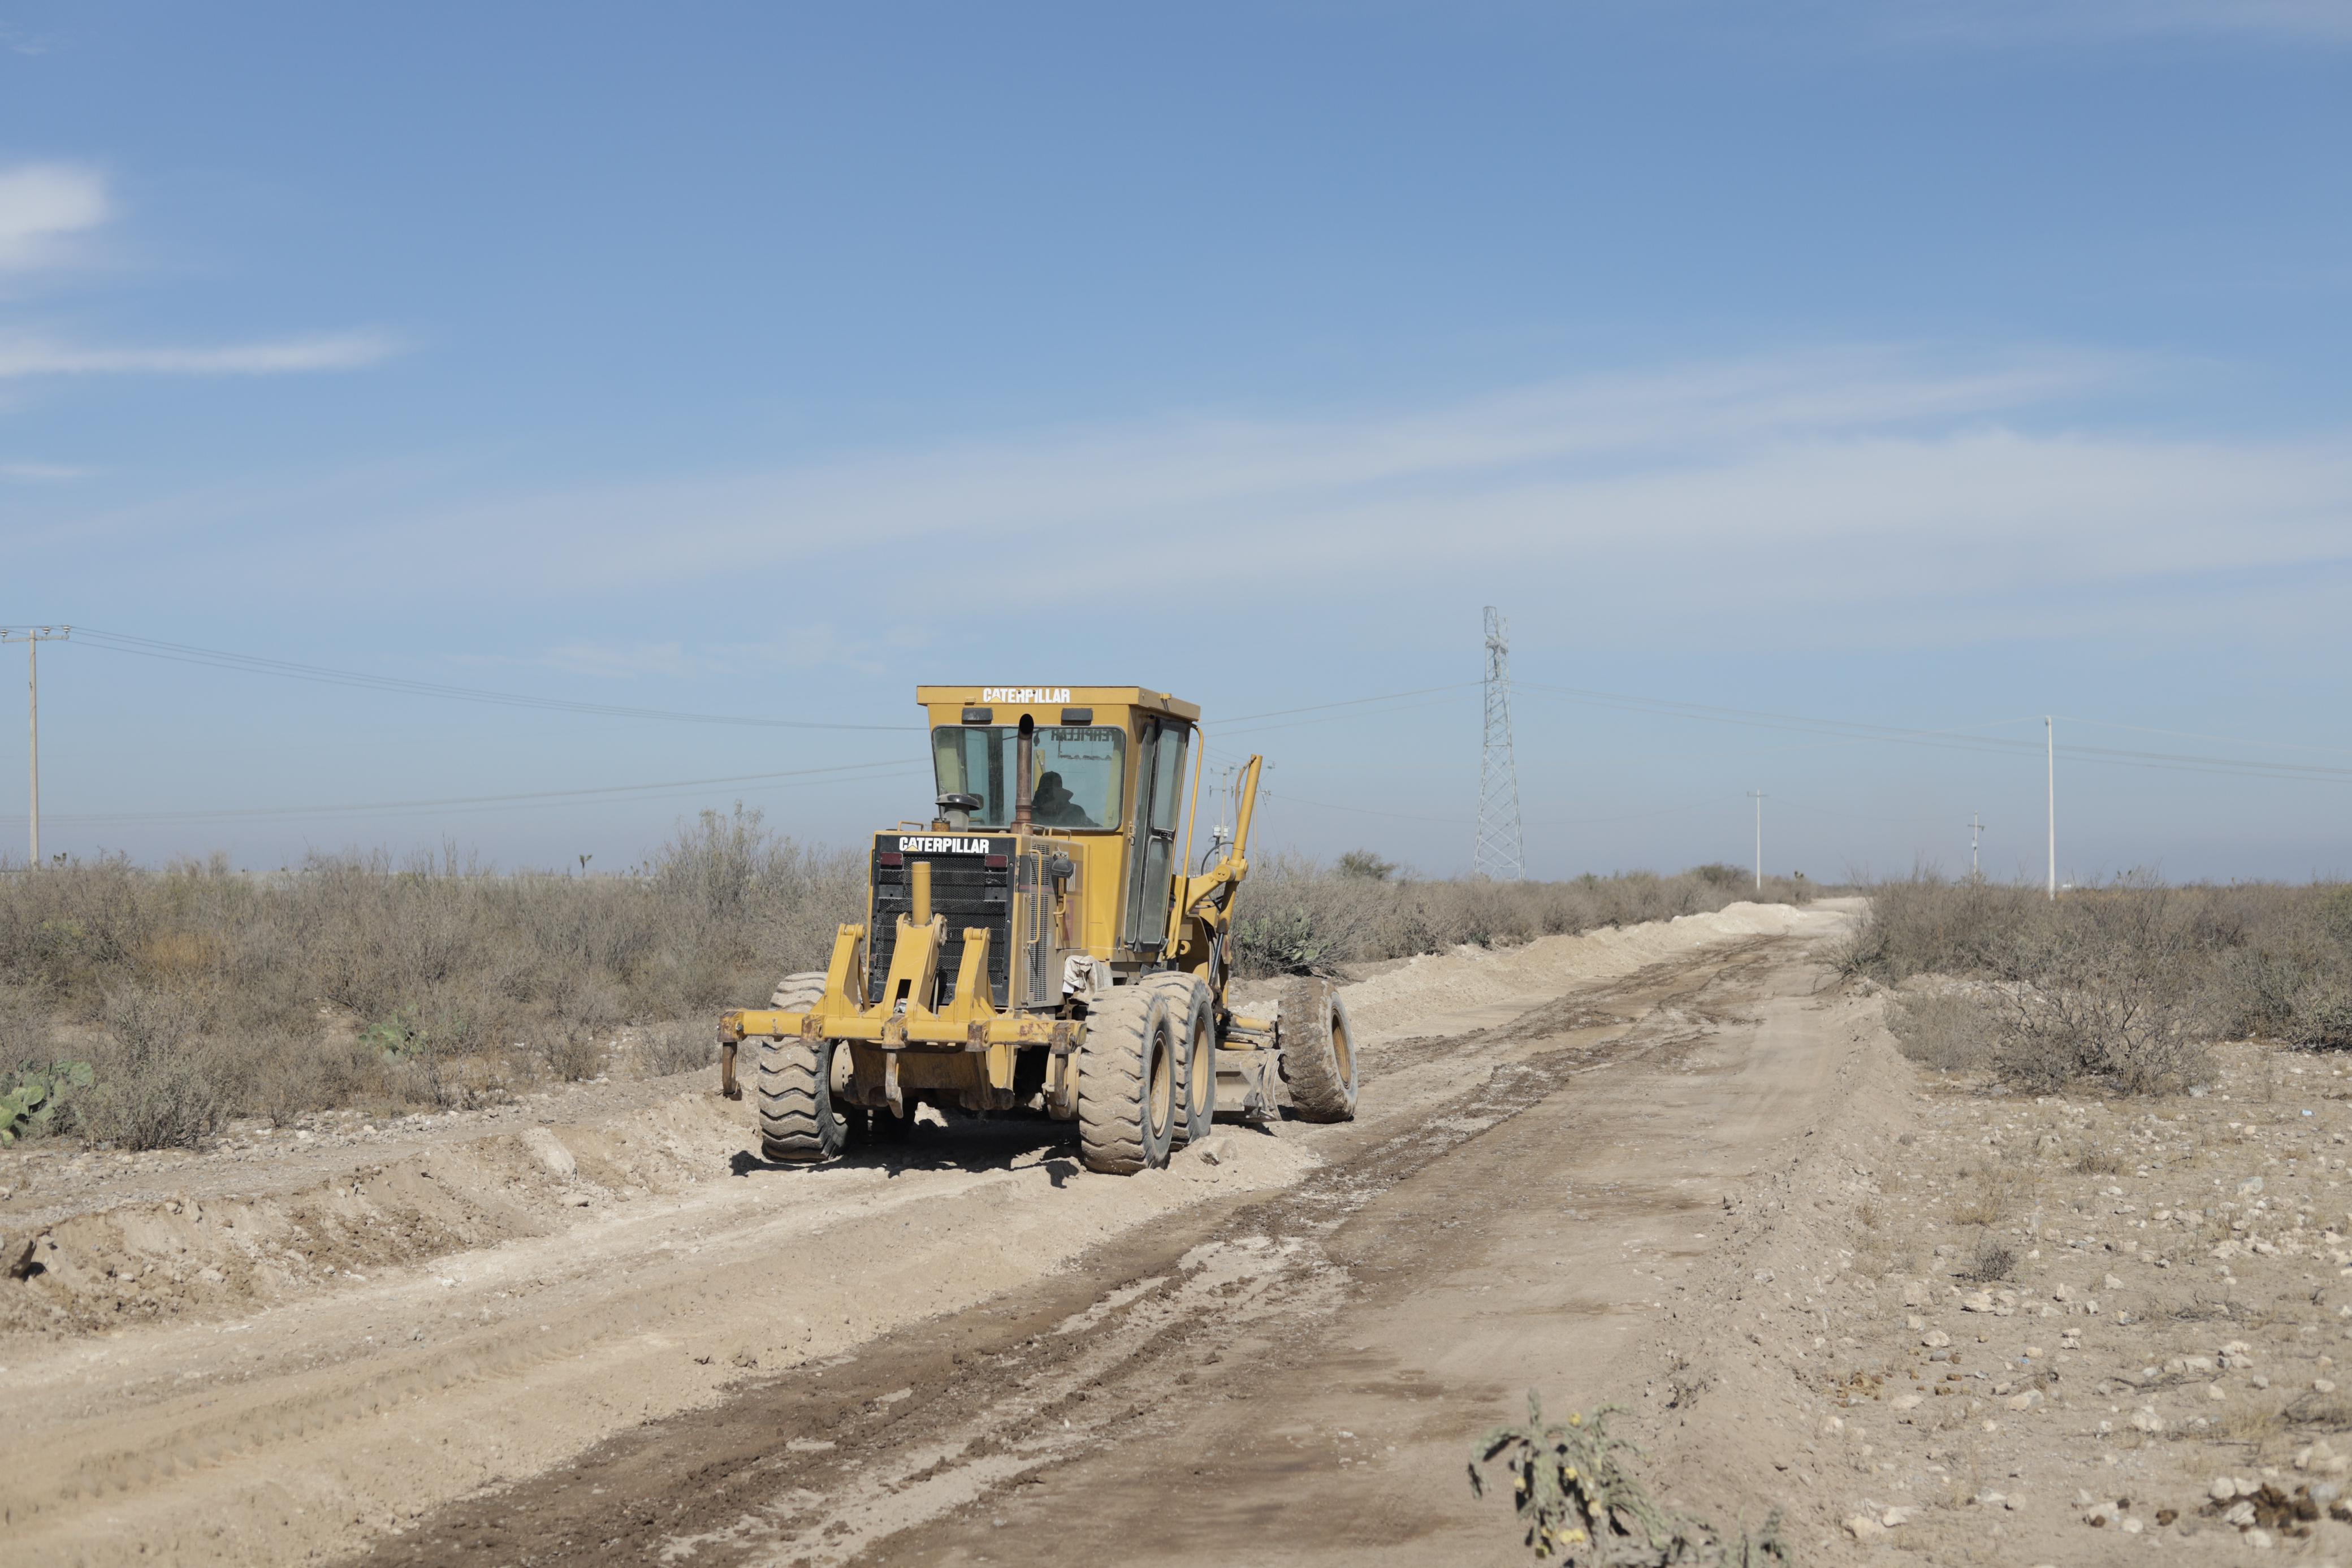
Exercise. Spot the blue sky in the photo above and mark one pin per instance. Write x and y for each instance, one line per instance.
(1909, 364)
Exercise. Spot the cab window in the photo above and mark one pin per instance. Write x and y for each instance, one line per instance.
(1078, 772)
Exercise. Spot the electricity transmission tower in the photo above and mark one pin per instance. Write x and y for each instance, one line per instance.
(1501, 854)
(1975, 834)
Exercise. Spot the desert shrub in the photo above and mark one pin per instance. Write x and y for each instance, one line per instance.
(283, 1074)
(569, 1055)
(2105, 989)
(360, 979)
(675, 1048)
(1282, 941)
(1924, 925)
(1990, 1260)
(2123, 984)
(159, 1084)
(2323, 1019)
(1296, 917)
(1948, 1031)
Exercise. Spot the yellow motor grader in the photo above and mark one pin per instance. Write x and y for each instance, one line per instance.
(1043, 942)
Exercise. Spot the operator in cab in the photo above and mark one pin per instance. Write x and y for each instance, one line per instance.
(1055, 806)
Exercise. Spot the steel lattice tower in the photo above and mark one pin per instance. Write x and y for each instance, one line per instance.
(1501, 854)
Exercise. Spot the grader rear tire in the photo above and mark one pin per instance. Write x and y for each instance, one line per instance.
(1126, 1081)
(799, 1124)
(1196, 1064)
(1318, 1054)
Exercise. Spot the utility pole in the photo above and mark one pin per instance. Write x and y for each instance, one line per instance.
(1976, 832)
(33, 637)
(1760, 837)
(2050, 742)
(1501, 852)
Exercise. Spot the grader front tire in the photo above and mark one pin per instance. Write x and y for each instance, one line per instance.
(799, 1124)
(1318, 1051)
(1190, 1006)
(798, 993)
(1127, 1082)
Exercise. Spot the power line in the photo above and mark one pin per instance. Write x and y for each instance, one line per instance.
(1967, 738)
(1954, 740)
(850, 772)
(1225, 733)
(1360, 810)
(1844, 814)
(2193, 735)
(1756, 718)
(287, 669)
(1957, 739)
(1640, 816)
(1353, 702)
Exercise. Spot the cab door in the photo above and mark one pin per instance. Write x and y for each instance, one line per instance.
(1151, 842)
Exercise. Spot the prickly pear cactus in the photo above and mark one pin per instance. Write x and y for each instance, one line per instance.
(17, 1107)
(32, 1105)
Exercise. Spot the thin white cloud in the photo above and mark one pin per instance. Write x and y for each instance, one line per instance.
(49, 214)
(817, 645)
(331, 352)
(622, 661)
(41, 473)
(46, 208)
(1902, 490)
(1184, 473)
(2062, 21)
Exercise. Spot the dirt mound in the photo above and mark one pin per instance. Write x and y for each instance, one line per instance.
(227, 1254)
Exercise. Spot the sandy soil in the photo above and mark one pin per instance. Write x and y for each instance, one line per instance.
(1675, 1167)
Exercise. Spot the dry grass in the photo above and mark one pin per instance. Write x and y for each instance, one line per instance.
(1947, 1030)
(2253, 1422)
(2120, 985)
(197, 994)
(1297, 917)
(1991, 1196)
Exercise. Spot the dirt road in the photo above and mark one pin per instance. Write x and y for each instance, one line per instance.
(624, 1340)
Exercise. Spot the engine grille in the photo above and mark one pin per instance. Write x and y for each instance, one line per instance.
(964, 889)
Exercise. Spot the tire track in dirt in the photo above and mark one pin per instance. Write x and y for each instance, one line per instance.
(331, 1413)
(817, 1468)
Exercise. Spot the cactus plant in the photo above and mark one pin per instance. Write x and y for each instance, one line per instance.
(1581, 1504)
(32, 1105)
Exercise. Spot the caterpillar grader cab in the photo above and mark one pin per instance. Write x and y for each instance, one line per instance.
(1044, 942)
